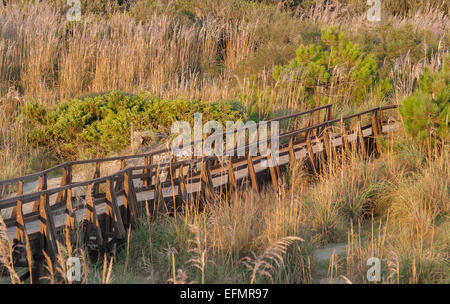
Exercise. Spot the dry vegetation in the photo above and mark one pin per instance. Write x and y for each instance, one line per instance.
(395, 207)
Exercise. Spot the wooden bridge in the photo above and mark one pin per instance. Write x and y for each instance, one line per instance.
(104, 207)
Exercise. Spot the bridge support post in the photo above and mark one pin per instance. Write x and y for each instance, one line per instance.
(158, 195)
(251, 172)
(310, 152)
(112, 210)
(92, 219)
(47, 227)
(148, 161)
(97, 174)
(41, 187)
(21, 231)
(291, 149)
(272, 169)
(231, 176)
(376, 126)
(182, 184)
(119, 182)
(130, 200)
(70, 214)
(64, 181)
(206, 180)
(362, 144)
(344, 136)
(327, 143)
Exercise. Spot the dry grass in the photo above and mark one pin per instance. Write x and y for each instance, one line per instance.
(395, 207)
(6, 254)
(263, 264)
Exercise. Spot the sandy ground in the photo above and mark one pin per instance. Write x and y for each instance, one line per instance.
(323, 256)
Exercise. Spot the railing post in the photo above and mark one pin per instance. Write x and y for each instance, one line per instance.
(18, 213)
(148, 161)
(231, 177)
(206, 180)
(182, 184)
(294, 128)
(318, 105)
(310, 151)
(63, 182)
(361, 138)
(344, 135)
(119, 182)
(130, 200)
(271, 165)
(158, 194)
(70, 213)
(328, 114)
(112, 209)
(47, 227)
(291, 149)
(42, 186)
(310, 124)
(91, 216)
(97, 174)
(251, 172)
(19, 192)
(381, 122)
(327, 143)
(376, 130)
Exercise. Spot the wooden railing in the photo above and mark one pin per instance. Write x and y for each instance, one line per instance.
(108, 205)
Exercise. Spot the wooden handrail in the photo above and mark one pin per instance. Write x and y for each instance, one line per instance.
(141, 155)
(30, 197)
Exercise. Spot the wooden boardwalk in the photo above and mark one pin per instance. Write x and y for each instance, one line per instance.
(105, 206)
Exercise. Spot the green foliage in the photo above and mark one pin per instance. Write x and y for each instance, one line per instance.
(388, 43)
(336, 63)
(102, 123)
(426, 113)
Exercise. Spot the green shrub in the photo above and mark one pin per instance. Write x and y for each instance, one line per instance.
(388, 43)
(426, 113)
(102, 123)
(336, 64)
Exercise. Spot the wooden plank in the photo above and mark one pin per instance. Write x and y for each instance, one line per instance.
(130, 200)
